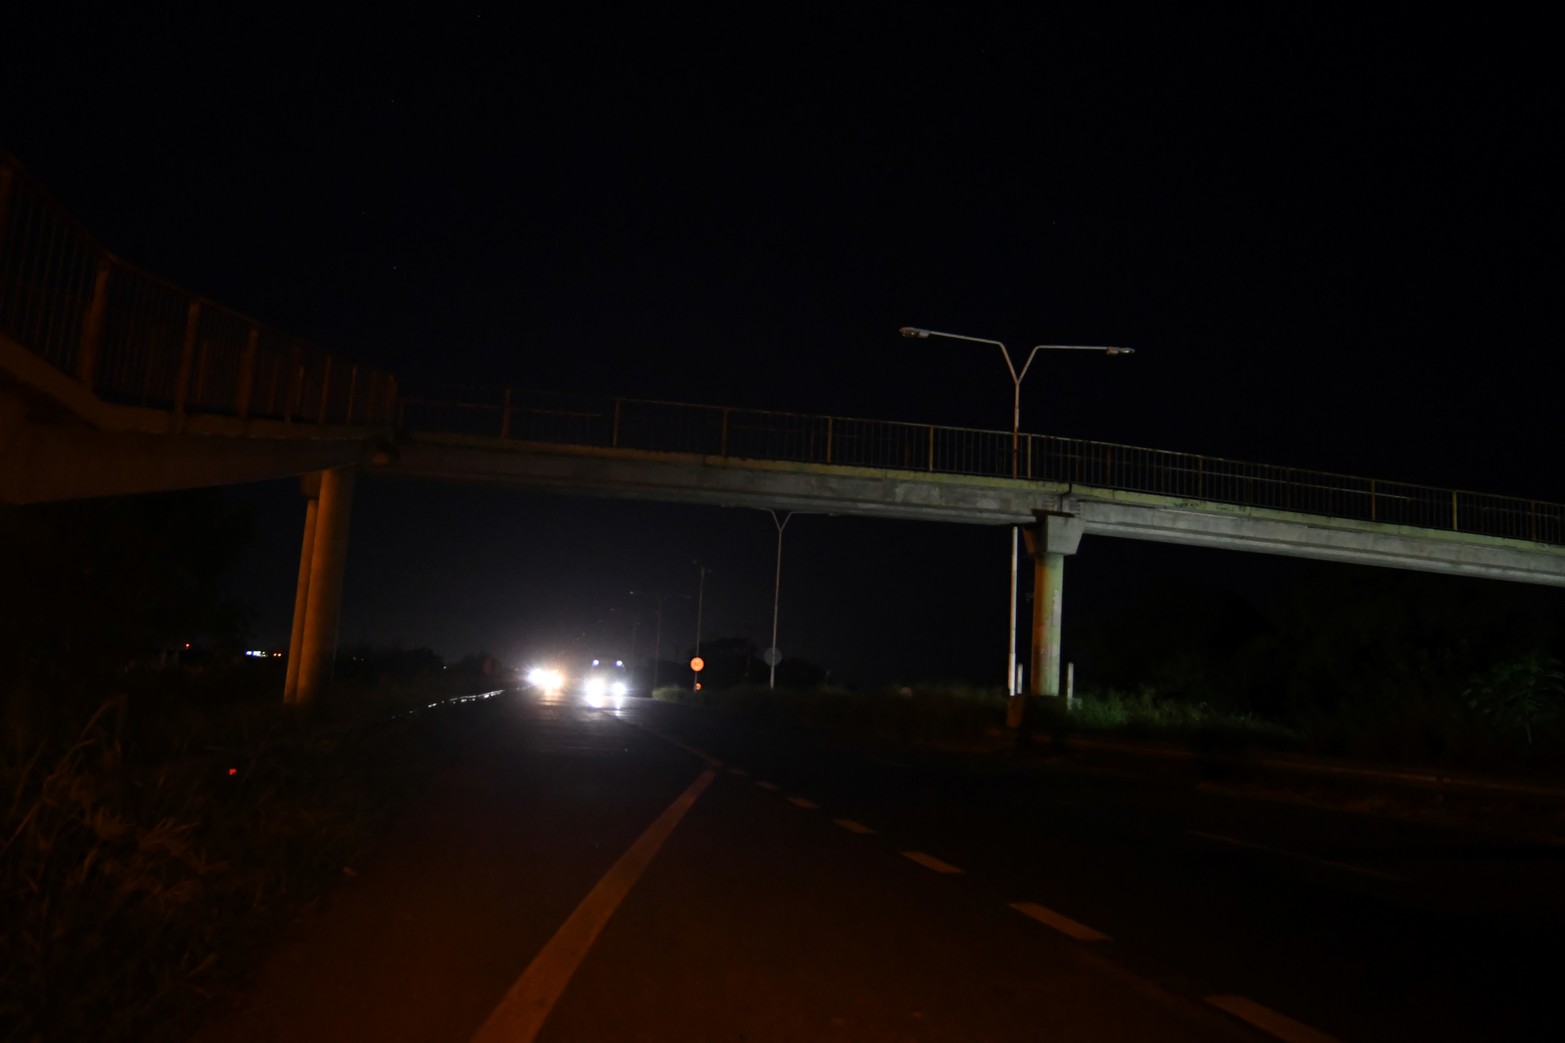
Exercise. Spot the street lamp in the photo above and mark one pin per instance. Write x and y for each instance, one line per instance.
(1016, 426)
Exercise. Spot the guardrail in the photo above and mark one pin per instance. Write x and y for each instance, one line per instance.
(133, 338)
(627, 423)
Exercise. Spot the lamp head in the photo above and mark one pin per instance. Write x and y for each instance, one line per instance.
(1119, 351)
(914, 331)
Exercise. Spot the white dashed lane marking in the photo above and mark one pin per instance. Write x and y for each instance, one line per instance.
(930, 862)
(1269, 1021)
(739, 772)
(768, 786)
(853, 827)
(808, 805)
(1064, 924)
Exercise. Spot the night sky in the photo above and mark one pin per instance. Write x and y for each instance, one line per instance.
(1332, 235)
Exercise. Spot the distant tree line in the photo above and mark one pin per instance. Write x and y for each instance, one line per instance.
(1371, 661)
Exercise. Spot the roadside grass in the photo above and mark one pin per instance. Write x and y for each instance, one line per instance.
(153, 843)
(1144, 715)
(1415, 732)
(954, 713)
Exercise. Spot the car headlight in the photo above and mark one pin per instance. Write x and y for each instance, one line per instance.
(596, 686)
(618, 689)
(545, 678)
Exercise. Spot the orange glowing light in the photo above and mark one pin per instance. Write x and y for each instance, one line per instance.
(233, 771)
(698, 664)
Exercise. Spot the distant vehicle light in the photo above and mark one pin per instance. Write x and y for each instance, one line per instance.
(596, 687)
(618, 689)
(546, 679)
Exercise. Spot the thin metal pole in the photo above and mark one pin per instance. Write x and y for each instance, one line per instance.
(771, 681)
(1010, 659)
(657, 650)
(700, 594)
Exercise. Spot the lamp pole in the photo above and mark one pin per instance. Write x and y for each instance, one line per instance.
(772, 657)
(1016, 427)
(657, 640)
(700, 594)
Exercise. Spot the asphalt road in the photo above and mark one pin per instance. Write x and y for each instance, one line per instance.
(661, 873)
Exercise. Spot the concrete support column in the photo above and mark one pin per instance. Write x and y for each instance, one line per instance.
(1048, 597)
(1050, 540)
(322, 565)
(301, 597)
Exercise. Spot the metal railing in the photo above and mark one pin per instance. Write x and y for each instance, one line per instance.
(627, 423)
(134, 339)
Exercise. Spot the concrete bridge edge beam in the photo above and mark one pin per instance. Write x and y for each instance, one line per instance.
(323, 599)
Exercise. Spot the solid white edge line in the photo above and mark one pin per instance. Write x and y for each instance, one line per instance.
(521, 1013)
(1064, 924)
(929, 861)
(1269, 1021)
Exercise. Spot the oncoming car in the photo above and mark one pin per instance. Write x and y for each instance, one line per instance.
(606, 683)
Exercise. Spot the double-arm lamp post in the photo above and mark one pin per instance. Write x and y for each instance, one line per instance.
(1016, 426)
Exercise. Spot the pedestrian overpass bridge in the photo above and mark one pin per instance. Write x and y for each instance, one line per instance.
(114, 381)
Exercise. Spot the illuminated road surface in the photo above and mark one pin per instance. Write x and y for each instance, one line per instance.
(663, 874)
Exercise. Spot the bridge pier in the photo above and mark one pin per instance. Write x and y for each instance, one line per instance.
(317, 607)
(1050, 540)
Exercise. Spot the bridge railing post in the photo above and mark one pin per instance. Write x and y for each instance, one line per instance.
(614, 430)
(1453, 510)
(246, 373)
(1374, 510)
(828, 439)
(723, 448)
(353, 387)
(505, 415)
(320, 413)
(931, 447)
(187, 356)
(92, 324)
(295, 387)
(7, 179)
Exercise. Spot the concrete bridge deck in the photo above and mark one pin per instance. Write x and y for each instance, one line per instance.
(968, 499)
